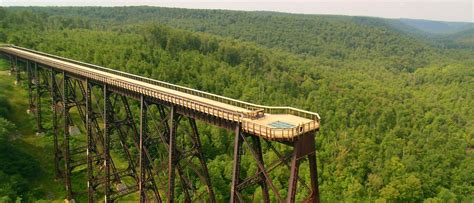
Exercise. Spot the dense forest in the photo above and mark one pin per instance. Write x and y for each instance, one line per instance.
(396, 108)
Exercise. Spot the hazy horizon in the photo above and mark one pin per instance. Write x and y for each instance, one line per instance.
(438, 10)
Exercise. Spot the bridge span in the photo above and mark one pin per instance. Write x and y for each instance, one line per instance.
(100, 96)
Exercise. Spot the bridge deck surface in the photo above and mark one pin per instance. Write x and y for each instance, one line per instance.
(284, 123)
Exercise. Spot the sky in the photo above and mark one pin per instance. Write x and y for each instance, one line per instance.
(443, 10)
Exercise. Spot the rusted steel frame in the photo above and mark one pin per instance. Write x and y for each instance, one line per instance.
(96, 135)
(126, 191)
(109, 125)
(90, 144)
(67, 159)
(256, 178)
(106, 154)
(99, 139)
(12, 64)
(284, 160)
(234, 193)
(172, 155)
(94, 115)
(101, 179)
(197, 142)
(304, 146)
(54, 107)
(165, 140)
(185, 184)
(29, 76)
(74, 101)
(164, 119)
(79, 150)
(262, 169)
(38, 87)
(178, 153)
(17, 71)
(45, 75)
(97, 114)
(295, 162)
(259, 156)
(314, 196)
(135, 137)
(59, 87)
(130, 124)
(122, 135)
(81, 162)
(182, 156)
(143, 129)
(71, 100)
(162, 132)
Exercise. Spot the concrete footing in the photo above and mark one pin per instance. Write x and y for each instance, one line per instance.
(69, 201)
(120, 186)
(74, 130)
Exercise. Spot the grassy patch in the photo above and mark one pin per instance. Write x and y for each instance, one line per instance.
(4, 65)
(24, 139)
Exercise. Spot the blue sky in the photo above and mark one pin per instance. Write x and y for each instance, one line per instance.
(444, 10)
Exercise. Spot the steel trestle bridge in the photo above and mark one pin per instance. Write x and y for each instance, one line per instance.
(102, 98)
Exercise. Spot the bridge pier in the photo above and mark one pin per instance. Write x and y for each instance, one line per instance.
(302, 148)
(36, 89)
(66, 137)
(90, 143)
(182, 157)
(106, 146)
(197, 143)
(55, 100)
(143, 131)
(145, 160)
(29, 76)
(234, 192)
(259, 157)
(41, 87)
(172, 153)
(17, 71)
(12, 65)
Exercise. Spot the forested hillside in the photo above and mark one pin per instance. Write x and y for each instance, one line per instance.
(337, 38)
(328, 38)
(396, 111)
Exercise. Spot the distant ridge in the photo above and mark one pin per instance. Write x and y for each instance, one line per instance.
(437, 27)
